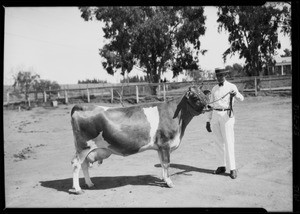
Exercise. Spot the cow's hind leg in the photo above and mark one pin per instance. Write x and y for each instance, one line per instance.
(164, 157)
(93, 156)
(85, 170)
(76, 168)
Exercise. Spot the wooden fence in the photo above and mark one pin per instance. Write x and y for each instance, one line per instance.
(141, 92)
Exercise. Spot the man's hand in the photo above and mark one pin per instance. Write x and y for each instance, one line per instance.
(208, 108)
(232, 93)
(208, 126)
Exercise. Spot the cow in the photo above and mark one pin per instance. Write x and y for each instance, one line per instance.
(101, 131)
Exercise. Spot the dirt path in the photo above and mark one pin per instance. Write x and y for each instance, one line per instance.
(38, 146)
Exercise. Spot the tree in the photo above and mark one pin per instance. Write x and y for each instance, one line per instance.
(235, 70)
(42, 85)
(91, 81)
(286, 19)
(24, 81)
(253, 33)
(194, 74)
(155, 38)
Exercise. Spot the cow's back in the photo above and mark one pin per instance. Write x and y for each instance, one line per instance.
(125, 130)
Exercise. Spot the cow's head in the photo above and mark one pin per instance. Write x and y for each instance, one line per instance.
(197, 99)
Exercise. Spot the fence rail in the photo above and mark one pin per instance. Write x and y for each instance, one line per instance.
(142, 92)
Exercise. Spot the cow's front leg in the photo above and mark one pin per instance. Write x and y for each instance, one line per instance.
(164, 157)
(85, 170)
(76, 168)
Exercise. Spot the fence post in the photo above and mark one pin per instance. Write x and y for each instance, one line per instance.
(255, 86)
(45, 97)
(112, 95)
(164, 87)
(28, 101)
(7, 97)
(88, 95)
(137, 93)
(66, 97)
(36, 95)
(158, 90)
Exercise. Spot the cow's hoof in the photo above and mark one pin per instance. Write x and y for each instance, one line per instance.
(170, 184)
(91, 186)
(78, 192)
(88, 186)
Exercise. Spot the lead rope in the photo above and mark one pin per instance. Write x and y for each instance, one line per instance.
(230, 113)
(219, 99)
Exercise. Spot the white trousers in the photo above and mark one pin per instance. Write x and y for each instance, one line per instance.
(223, 129)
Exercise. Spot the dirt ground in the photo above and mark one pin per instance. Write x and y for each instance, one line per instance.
(38, 147)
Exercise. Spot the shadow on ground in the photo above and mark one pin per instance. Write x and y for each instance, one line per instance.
(185, 169)
(102, 183)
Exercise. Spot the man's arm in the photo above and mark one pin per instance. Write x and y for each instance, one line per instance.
(211, 98)
(209, 114)
(237, 94)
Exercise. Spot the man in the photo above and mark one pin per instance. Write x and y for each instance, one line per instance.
(221, 121)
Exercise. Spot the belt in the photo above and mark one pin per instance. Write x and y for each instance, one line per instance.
(221, 109)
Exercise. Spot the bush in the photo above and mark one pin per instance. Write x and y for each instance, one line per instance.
(43, 85)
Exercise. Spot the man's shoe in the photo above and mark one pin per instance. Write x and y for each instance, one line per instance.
(220, 170)
(233, 174)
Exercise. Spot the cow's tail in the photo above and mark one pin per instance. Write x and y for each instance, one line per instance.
(76, 108)
(75, 126)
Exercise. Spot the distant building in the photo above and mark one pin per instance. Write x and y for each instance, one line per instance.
(283, 66)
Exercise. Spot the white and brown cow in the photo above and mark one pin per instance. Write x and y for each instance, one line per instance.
(102, 131)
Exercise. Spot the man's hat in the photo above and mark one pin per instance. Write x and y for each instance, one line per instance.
(221, 71)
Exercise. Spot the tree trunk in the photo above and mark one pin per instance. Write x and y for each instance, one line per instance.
(155, 79)
(26, 95)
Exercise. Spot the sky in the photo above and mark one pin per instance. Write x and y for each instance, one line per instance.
(57, 44)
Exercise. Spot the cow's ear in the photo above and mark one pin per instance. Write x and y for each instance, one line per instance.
(187, 94)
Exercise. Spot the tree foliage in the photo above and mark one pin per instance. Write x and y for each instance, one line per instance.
(287, 52)
(253, 33)
(91, 81)
(286, 24)
(195, 75)
(235, 70)
(155, 38)
(42, 85)
(24, 81)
